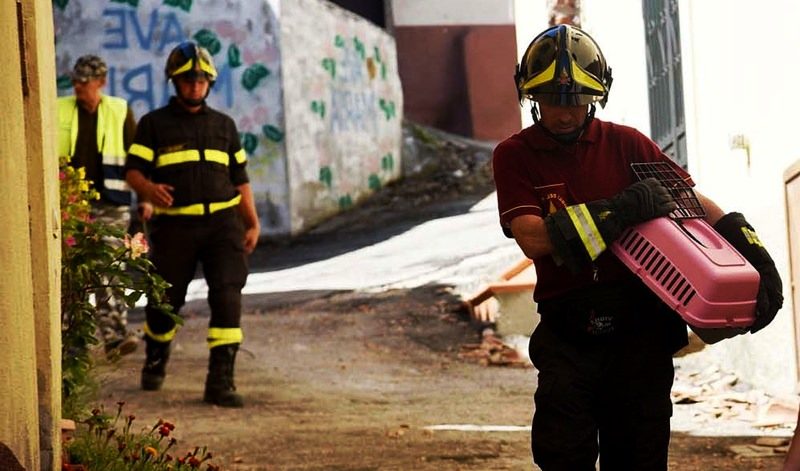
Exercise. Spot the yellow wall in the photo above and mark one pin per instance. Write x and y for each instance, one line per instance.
(29, 244)
(44, 219)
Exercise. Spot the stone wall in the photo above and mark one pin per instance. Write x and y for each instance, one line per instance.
(313, 89)
(343, 105)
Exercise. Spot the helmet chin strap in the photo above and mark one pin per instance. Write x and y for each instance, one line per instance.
(565, 138)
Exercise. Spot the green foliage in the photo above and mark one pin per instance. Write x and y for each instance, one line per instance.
(94, 256)
(425, 136)
(103, 442)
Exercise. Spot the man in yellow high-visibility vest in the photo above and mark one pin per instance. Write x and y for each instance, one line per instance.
(95, 131)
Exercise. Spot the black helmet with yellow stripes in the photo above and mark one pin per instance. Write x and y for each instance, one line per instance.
(563, 66)
(189, 58)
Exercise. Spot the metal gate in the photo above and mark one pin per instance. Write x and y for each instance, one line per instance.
(664, 77)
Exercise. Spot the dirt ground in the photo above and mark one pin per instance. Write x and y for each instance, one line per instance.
(350, 380)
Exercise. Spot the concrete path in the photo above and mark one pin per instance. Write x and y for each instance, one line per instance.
(462, 250)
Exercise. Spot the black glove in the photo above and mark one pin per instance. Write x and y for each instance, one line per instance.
(642, 201)
(741, 235)
(580, 233)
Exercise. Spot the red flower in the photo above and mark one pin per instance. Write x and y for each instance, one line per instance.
(164, 430)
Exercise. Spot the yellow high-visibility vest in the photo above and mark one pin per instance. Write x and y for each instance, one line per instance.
(111, 114)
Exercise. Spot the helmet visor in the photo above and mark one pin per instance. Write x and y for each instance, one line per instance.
(565, 99)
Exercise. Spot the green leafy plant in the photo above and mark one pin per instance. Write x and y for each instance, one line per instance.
(108, 443)
(94, 256)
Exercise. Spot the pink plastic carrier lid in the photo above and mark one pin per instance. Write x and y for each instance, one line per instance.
(686, 263)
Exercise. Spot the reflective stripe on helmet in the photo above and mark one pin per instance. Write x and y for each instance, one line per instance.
(207, 68)
(184, 68)
(545, 76)
(586, 80)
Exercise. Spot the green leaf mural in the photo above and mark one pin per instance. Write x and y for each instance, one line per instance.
(234, 56)
(318, 107)
(272, 132)
(208, 39)
(253, 75)
(326, 176)
(388, 108)
(249, 142)
(63, 82)
(185, 5)
(387, 162)
(376, 53)
(329, 65)
(345, 201)
(338, 41)
(61, 4)
(133, 3)
(374, 182)
(360, 48)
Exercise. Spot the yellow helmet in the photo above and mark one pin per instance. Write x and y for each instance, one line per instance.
(563, 66)
(187, 57)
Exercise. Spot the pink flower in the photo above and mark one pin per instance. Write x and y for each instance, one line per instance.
(70, 241)
(136, 244)
(62, 175)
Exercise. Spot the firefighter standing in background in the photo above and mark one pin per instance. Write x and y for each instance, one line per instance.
(95, 130)
(187, 162)
(603, 348)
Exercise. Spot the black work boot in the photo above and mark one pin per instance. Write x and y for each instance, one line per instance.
(220, 389)
(155, 365)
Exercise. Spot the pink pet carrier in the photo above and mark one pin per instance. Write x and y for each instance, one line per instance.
(687, 264)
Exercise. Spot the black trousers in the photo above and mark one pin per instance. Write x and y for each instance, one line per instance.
(604, 356)
(608, 395)
(215, 241)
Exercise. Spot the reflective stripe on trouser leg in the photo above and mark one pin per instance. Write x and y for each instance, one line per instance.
(163, 338)
(225, 269)
(218, 336)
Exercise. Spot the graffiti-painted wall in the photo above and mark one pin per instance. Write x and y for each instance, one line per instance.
(343, 106)
(336, 107)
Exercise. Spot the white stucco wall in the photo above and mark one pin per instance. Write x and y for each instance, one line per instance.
(622, 44)
(735, 68)
(312, 88)
(530, 19)
(243, 38)
(343, 108)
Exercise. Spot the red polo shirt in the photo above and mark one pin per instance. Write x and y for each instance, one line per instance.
(536, 175)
